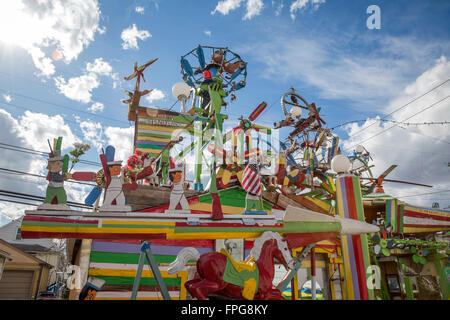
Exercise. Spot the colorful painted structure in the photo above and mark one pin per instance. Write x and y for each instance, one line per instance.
(310, 206)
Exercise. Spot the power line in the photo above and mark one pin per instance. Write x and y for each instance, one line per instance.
(394, 121)
(26, 196)
(405, 105)
(39, 176)
(421, 194)
(395, 125)
(62, 107)
(36, 152)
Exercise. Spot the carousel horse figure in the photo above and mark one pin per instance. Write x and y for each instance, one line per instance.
(218, 273)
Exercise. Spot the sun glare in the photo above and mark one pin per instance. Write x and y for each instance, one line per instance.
(17, 26)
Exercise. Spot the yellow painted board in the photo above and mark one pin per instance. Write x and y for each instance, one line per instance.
(153, 138)
(213, 235)
(157, 128)
(207, 207)
(419, 230)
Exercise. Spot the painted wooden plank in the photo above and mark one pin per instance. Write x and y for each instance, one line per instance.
(144, 281)
(127, 258)
(135, 248)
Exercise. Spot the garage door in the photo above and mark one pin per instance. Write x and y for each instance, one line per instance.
(16, 284)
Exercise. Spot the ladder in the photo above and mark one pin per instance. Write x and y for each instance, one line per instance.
(146, 253)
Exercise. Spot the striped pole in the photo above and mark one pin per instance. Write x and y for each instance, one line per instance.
(355, 249)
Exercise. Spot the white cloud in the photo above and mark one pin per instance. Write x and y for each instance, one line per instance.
(130, 36)
(122, 140)
(279, 7)
(7, 98)
(96, 107)
(43, 63)
(254, 8)
(225, 6)
(299, 5)
(78, 88)
(207, 32)
(31, 130)
(140, 9)
(36, 128)
(116, 80)
(367, 79)
(155, 95)
(101, 30)
(66, 25)
(421, 152)
(93, 133)
(100, 67)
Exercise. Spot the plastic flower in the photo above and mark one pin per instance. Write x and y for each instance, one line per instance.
(419, 255)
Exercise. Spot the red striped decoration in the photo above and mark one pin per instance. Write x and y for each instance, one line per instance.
(57, 219)
(408, 213)
(356, 240)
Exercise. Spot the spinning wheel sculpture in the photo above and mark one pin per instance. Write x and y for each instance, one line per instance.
(225, 73)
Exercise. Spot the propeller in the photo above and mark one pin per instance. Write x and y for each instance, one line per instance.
(103, 178)
(377, 182)
(245, 125)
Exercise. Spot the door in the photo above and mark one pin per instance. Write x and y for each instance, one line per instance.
(16, 284)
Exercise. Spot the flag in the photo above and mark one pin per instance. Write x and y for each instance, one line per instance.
(251, 180)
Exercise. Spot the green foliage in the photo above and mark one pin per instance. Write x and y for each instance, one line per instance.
(78, 150)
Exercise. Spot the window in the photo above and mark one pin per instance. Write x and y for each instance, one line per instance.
(18, 235)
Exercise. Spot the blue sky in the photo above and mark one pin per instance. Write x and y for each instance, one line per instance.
(321, 48)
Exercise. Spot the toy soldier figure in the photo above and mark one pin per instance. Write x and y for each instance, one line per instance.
(114, 197)
(176, 176)
(56, 198)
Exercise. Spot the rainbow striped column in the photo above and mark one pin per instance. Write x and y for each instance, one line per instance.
(355, 250)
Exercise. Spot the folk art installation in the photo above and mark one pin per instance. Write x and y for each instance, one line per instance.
(315, 196)
(252, 279)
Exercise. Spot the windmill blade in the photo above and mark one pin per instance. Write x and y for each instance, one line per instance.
(105, 169)
(237, 72)
(187, 67)
(384, 174)
(134, 74)
(407, 182)
(201, 57)
(139, 70)
(143, 93)
(144, 66)
(257, 112)
(92, 196)
(83, 176)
